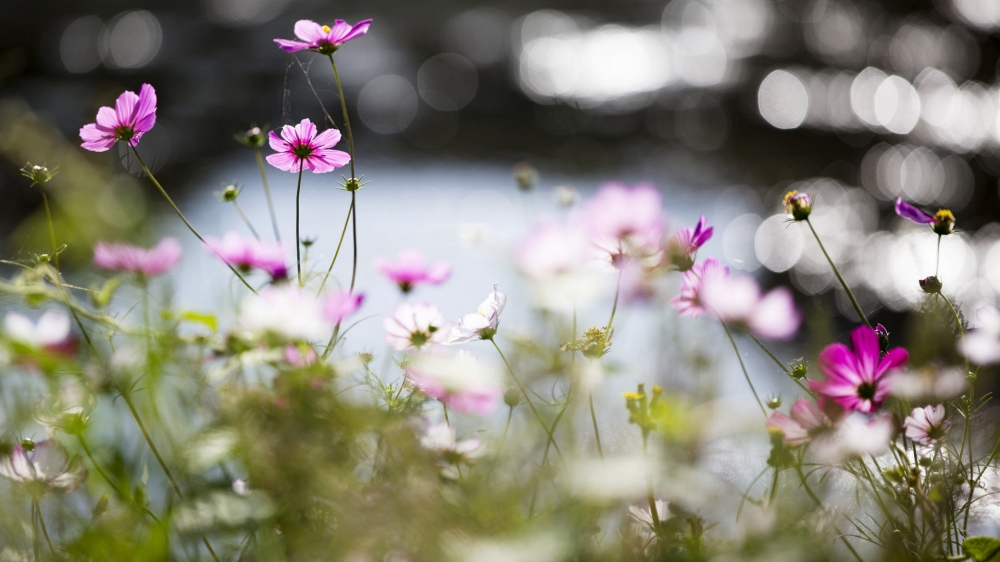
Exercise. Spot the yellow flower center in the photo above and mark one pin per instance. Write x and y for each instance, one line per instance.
(944, 215)
(326, 29)
(789, 195)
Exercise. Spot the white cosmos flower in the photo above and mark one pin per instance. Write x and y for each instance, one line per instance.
(52, 329)
(481, 324)
(982, 345)
(287, 312)
(414, 325)
(47, 467)
(856, 435)
(440, 438)
(644, 517)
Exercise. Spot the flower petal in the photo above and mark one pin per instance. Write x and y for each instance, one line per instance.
(125, 108)
(106, 117)
(916, 215)
(283, 161)
(358, 30)
(866, 346)
(327, 138)
(839, 365)
(892, 360)
(290, 46)
(309, 31)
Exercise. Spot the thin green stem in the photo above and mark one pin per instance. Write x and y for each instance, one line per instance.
(104, 475)
(181, 215)
(597, 432)
(937, 262)
(777, 362)
(527, 398)
(650, 496)
(267, 193)
(744, 368)
(840, 535)
(52, 230)
(350, 143)
(343, 232)
(847, 288)
(545, 458)
(45, 531)
(246, 220)
(298, 239)
(614, 306)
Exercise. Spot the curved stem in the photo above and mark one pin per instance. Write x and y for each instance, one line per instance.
(298, 239)
(246, 220)
(343, 231)
(52, 230)
(181, 215)
(545, 458)
(104, 475)
(350, 143)
(614, 307)
(777, 362)
(650, 497)
(744, 368)
(847, 288)
(267, 193)
(597, 432)
(527, 399)
(41, 522)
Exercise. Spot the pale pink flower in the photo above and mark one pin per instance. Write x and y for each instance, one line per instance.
(135, 259)
(553, 248)
(341, 304)
(46, 468)
(414, 326)
(644, 517)
(853, 436)
(245, 254)
(300, 148)
(133, 116)
(322, 38)
(240, 487)
(285, 311)
(982, 345)
(805, 423)
(737, 299)
(410, 269)
(860, 379)
(51, 332)
(926, 425)
(625, 217)
(440, 439)
(458, 381)
(684, 244)
(299, 357)
(481, 324)
(688, 302)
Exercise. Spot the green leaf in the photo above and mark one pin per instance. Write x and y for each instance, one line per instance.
(204, 318)
(981, 549)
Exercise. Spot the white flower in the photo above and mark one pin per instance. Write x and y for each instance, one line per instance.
(481, 324)
(440, 438)
(982, 345)
(51, 331)
(854, 436)
(240, 487)
(458, 380)
(926, 425)
(287, 312)
(644, 517)
(46, 467)
(414, 325)
(928, 384)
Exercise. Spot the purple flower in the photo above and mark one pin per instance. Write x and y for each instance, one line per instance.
(45, 468)
(926, 425)
(133, 116)
(807, 420)
(410, 270)
(458, 381)
(142, 261)
(299, 147)
(340, 305)
(322, 38)
(249, 253)
(859, 379)
(688, 302)
(684, 244)
(916, 215)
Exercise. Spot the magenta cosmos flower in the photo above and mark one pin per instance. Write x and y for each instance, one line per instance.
(688, 302)
(805, 423)
(410, 269)
(341, 304)
(133, 116)
(323, 38)
(249, 253)
(942, 222)
(299, 148)
(141, 261)
(859, 379)
(684, 244)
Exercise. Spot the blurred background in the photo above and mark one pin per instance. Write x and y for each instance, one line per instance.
(723, 104)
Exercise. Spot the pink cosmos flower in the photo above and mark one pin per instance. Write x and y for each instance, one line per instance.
(553, 248)
(341, 304)
(299, 148)
(458, 381)
(926, 425)
(688, 302)
(982, 345)
(145, 262)
(414, 326)
(916, 215)
(322, 38)
(441, 439)
(45, 468)
(625, 222)
(807, 420)
(248, 253)
(133, 116)
(410, 270)
(738, 299)
(684, 244)
(858, 380)
(300, 357)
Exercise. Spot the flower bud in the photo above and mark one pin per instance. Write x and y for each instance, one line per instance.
(352, 184)
(774, 402)
(798, 369)
(566, 196)
(944, 222)
(512, 396)
(931, 285)
(526, 176)
(38, 175)
(253, 137)
(883, 337)
(799, 205)
(230, 193)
